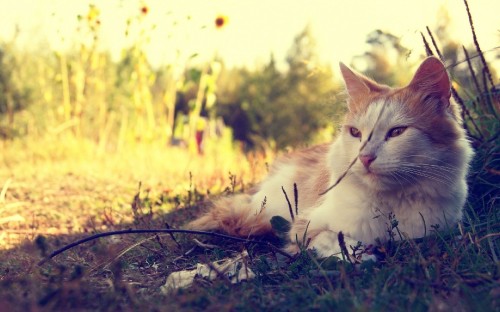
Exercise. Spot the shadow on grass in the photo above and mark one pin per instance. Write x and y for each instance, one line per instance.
(441, 272)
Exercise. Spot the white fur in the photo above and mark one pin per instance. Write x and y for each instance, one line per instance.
(275, 201)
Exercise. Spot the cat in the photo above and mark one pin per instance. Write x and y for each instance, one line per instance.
(401, 152)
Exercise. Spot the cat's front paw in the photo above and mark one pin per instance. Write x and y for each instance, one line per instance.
(325, 244)
(292, 249)
(321, 251)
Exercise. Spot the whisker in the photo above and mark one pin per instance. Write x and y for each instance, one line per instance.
(429, 166)
(441, 173)
(406, 178)
(429, 170)
(441, 169)
(396, 177)
(431, 176)
(437, 159)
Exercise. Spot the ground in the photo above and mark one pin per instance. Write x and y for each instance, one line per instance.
(48, 204)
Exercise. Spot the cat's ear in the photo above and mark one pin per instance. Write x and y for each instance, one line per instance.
(354, 84)
(358, 87)
(431, 79)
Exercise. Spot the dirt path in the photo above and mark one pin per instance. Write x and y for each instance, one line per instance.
(61, 203)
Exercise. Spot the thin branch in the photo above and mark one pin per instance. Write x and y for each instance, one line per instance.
(434, 44)
(172, 236)
(296, 197)
(478, 48)
(471, 70)
(465, 112)
(487, 236)
(342, 176)
(289, 204)
(343, 247)
(143, 231)
(428, 50)
(471, 57)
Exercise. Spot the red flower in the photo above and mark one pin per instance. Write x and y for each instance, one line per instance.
(220, 21)
(144, 10)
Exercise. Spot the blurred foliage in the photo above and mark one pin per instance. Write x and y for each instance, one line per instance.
(386, 53)
(111, 102)
(15, 95)
(278, 109)
(281, 104)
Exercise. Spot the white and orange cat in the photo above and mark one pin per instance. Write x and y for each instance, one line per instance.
(400, 151)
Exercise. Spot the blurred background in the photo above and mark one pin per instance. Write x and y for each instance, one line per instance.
(176, 93)
(263, 73)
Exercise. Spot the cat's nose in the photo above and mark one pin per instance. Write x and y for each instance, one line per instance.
(367, 159)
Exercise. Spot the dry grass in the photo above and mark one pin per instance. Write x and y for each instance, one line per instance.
(67, 186)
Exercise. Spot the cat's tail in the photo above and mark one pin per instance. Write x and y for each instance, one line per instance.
(235, 216)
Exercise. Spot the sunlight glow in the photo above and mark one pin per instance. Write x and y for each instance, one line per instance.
(176, 30)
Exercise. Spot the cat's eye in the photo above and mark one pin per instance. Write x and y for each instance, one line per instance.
(355, 132)
(394, 132)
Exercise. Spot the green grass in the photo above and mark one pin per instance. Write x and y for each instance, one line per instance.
(444, 271)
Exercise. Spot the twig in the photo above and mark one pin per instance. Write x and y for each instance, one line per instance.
(471, 70)
(4, 190)
(343, 247)
(423, 221)
(487, 236)
(478, 48)
(489, 96)
(296, 197)
(492, 249)
(428, 50)
(143, 231)
(434, 44)
(172, 236)
(342, 176)
(120, 254)
(220, 273)
(289, 204)
(203, 245)
(482, 98)
(471, 57)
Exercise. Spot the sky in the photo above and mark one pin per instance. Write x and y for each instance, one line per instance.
(176, 30)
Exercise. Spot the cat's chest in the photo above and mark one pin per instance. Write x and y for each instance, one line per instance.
(368, 215)
(365, 205)
(413, 209)
(397, 201)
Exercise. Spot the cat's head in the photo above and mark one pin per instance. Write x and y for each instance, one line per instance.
(404, 136)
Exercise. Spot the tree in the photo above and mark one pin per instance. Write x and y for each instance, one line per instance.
(386, 53)
(281, 109)
(13, 96)
(309, 91)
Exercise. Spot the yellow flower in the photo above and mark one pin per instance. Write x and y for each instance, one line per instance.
(93, 13)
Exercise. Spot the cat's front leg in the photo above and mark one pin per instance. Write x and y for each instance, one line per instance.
(322, 239)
